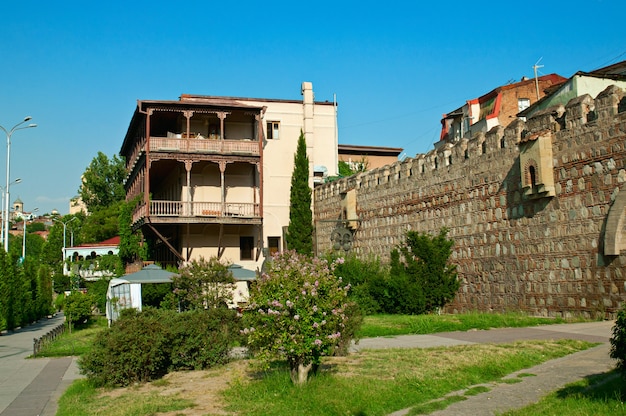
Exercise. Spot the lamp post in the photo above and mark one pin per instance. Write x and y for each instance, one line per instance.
(9, 133)
(5, 216)
(24, 235)
(64, 231)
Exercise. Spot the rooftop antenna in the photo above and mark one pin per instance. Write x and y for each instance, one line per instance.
(535, 67)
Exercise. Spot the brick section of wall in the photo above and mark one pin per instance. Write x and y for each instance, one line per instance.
(541, 256)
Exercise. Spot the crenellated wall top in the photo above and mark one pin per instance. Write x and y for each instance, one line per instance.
(578, 112)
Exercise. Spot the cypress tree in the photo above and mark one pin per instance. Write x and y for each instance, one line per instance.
(300, 230)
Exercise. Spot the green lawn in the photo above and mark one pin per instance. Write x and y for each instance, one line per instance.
(75, 343)
(391, 325)
(379, 382)
(603, 394)
(419, 379)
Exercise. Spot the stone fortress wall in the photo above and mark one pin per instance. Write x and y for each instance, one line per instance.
(548, 254)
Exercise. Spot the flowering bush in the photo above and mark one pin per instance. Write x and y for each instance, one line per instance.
(204, 284)
(297, 312)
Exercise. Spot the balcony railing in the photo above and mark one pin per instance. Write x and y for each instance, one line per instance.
(195, 145)
(198, 209)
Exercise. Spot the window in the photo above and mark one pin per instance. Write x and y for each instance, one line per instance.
(523, 104)
(273, 243)
(273, 128)
(246, 245)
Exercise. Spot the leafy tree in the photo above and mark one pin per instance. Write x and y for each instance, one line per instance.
(102, 184)
(34, 245)
(299, 235)
(130, 248)
(204, 284)
(101, 224)
(98, 290)
(35, 226)
(52, 250)
(44, 291)
(153, 294)
(298, 312)
(423, 259)
(78, 307)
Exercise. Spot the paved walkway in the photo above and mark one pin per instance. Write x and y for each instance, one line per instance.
(549, 376)
(31, 387)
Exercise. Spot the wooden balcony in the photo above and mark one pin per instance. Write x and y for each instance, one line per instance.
(198, 212)
(203, 145)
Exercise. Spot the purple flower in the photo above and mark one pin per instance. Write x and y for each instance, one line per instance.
(296, 317)
(317, 342)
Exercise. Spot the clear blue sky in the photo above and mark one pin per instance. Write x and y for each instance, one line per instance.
(78, 67)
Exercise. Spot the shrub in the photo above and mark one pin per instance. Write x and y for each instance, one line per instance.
(298, 312)
(204, 284)
(202, 338)
(144, 346)
(135, 349)
(98, 289)
(618, 341)
(363, 276)
(423, 260)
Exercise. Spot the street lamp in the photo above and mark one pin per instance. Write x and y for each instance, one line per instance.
(64, 230)
(5, 216)
(9, 133)
(24, 235)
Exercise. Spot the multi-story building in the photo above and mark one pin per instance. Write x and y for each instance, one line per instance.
(373, 156)
(214, 173)
(498, 107)
(578, 85)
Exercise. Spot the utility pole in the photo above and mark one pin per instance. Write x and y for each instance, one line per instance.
(535, 67)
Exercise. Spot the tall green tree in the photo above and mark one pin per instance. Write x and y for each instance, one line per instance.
(101, 224)
(102, 183)
(12, 288)
(130, 248)
(300, 230)
(102, 191)
(52, 250)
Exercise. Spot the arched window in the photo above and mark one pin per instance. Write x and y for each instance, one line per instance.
(532, 176)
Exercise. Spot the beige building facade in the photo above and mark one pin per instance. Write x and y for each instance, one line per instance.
(213, 174)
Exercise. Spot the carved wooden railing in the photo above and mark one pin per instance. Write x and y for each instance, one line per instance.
(197, 209)
(165, 144)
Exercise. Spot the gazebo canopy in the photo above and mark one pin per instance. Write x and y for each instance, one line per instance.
(125, 292)
(149, 274)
